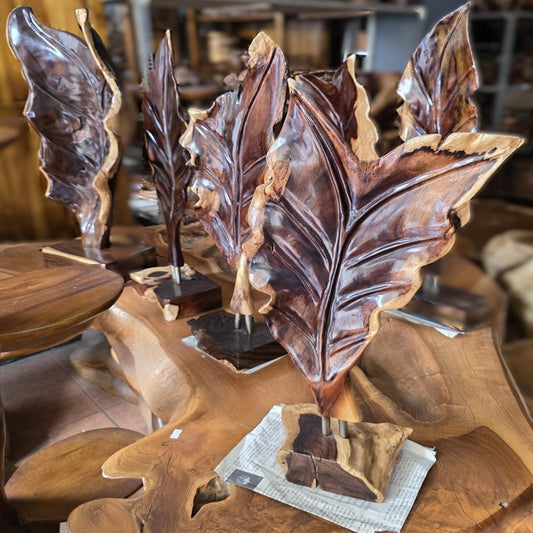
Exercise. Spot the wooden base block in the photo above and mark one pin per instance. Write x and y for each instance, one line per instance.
(120, 258)
(453, 307)
(217, 336)
(195, 294)
(359, 466)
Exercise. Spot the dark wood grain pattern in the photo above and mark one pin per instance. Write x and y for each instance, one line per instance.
(164, 125)
(42, 308)
(439, 81)
(336, 240)
(216, 334)
(359, 466)
(228, 145)
(72, 102)
(345, 104)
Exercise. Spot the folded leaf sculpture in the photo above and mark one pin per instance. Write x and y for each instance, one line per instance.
(337, 239)
(228, 144)
(164, 125)
(72, 103)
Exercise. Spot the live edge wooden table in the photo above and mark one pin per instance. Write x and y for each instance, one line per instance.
(456, 393)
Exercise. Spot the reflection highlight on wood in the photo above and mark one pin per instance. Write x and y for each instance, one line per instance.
(47, 487)
(45, 307)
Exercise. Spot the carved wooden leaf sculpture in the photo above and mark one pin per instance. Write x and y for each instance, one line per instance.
(164, 126)
(228, 145)
(336, 240)
(73, 100)
(344, 103)
(439, 80)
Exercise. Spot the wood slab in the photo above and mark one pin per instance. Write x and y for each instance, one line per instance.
(47, 487)
(195, 293)
(456, 394)
(118, 258)
(42, 308)
(359, 465)
(216, 335)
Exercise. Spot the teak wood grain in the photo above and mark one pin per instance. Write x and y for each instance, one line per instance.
(41, 308)
(54, 481)
(454, 393)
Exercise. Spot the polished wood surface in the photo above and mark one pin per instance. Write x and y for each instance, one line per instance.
(328, 250)
(228, 144)
(54, 481)
(454, 393)
(71, 82)
(45, 307)
(337, 238)
(359, 464)
(164, 124)
(439, 81)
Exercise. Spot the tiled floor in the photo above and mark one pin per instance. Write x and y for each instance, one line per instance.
(46, 401)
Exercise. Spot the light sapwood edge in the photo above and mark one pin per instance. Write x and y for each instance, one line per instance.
(50, 250)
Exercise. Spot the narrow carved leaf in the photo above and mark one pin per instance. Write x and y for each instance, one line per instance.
(164, 126)
(228, 145)
(336, 240)
(72, 102)
(439, 80)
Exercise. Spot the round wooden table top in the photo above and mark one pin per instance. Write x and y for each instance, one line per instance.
(42, 308)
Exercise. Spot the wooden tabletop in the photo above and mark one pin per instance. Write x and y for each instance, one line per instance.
(45, 307)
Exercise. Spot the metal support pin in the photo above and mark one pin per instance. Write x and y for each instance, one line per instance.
(343, 429)
(176, 274)
(249, 323)
(430, 286)
(237, 320)
(326, 426)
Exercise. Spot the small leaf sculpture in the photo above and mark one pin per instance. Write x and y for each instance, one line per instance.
(345, 103)
(228, 144)
(337, 240)
(72, 104)
(164, 125)
(439, 81)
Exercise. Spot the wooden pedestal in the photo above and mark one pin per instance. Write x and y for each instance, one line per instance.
(217, 336)
(359, 466)
(195, 294)
(120, 258)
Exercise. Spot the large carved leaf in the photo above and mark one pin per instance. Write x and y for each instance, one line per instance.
(439, 80)
(228, 145)
(164, 125)
(72, 102)
(336, 240)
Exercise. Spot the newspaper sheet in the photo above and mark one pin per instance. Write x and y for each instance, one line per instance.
(253, 464)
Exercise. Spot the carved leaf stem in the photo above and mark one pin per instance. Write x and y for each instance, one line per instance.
(164, 125)
(72, 103)
(336, 240)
